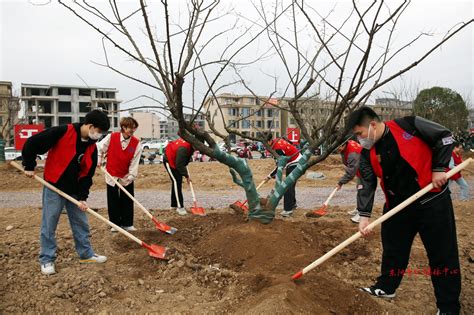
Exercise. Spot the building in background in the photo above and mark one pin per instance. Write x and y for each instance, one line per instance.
(149, 124)
(169, 127)
(54, 105)
(391, 108)
(247, 114)
(9, 107)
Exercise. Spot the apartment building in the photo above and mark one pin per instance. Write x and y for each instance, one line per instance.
(149, 124)
(248, 114)
(169, 127)
(391, 108)
(54, 105)
(9, 107)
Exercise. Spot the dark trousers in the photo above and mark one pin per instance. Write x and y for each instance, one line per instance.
(120, 206)
(437, 229)
(289, 201)
(176, 186)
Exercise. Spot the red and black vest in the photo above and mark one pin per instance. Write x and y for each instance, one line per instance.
(413, 150)
(457, 160)
(287, 148)
(118, 159)
(172, 149)
(352, 147)
(62, 153)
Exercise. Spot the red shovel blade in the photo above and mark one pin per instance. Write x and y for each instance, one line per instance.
(242, 206)
(155, 250)
(197, 210)
(164, 227)
(318, 213)
(297, 275)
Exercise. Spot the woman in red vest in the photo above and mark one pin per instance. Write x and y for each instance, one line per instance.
(176, 158)
(456, 159)
(407, 154)
(122, 150)
(70, 166)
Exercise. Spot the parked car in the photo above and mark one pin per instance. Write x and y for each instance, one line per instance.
(154, 144)
(11, 154)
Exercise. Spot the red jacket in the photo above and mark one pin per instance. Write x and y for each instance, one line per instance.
(118, 161)
(352, 147)
(287, 148)
(172, 149)
(61, 154)
(413, 150)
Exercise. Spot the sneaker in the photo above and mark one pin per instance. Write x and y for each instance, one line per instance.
(48, 269)
(181, 211)
(113, 230)
(95, 259)
(130, 228)
(286, 214)
(353, 212)
(378, 292)
(356, 218)
(439, 312)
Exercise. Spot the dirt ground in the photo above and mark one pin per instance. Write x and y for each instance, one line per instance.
(218, 263)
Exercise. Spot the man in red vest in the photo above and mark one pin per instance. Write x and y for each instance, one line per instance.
(70, 166)
(123, 151)
(284, 147)
(176, 158)
(456, 159)
(407, 154)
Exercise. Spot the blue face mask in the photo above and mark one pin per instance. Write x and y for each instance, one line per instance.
(368, 143)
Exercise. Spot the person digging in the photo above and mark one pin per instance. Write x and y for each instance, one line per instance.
(70, 166)
(408, 154)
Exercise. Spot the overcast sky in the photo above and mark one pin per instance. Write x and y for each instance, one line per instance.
(49, 45)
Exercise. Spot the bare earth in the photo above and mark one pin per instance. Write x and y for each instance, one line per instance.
(219, 263)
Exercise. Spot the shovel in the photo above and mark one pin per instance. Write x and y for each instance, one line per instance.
(159, 225)
(383, 218)
(153, 250)
(195, 209)
(242, 205)
(323, 210)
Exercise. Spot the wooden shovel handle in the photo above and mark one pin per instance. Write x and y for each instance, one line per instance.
(330, 196)
(127, 193)
(383, 218)
(89, 210)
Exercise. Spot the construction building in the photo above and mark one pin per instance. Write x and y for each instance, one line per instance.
(9, 107)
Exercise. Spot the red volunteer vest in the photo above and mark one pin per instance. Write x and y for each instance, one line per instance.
(352, 147)
(118, 161)
(413, 150)
(457, 160)
(286, 147)
(62, 153)
(172, 149)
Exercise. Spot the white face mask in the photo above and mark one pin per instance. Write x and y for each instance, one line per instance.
(368, 143)
(94, 135)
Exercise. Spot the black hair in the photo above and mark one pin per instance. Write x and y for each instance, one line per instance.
(269, 136)
(98, 119)
(361, 117)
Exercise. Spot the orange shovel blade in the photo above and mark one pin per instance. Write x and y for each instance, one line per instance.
(164, 227)
(155, 250)
(318, 213)
(197, 210)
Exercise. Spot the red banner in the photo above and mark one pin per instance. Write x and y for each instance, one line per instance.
(23, 132)
(293, 135)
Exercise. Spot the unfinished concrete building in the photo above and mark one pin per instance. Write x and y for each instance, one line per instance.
(54, 105)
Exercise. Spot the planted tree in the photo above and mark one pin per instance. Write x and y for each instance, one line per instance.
(174, 42)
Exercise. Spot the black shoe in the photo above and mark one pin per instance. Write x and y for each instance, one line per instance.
(378, 292)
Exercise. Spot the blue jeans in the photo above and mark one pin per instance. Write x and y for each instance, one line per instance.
(53, 204)
(463, 186)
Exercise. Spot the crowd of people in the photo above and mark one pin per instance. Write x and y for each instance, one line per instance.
(404, 154)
